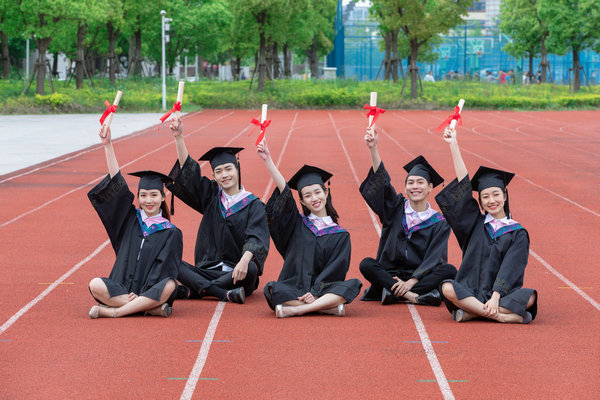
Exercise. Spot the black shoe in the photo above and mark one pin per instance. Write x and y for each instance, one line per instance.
(387, 297)
(182, 292)
(368, 296)
(237, 295)
(432, 298)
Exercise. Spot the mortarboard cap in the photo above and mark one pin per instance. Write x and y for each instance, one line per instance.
(221, 155)
(420, 167)
(486, 177)
(150, 180)
(308, 175)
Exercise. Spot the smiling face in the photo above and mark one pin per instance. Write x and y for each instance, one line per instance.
(417, 188)
(492, 201)
(226, 175)
(150, 201)
(314, 197)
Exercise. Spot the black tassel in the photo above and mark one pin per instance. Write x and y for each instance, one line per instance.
(172, 204)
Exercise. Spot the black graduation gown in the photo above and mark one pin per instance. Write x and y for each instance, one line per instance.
(143, 271)
(223, 235)
(417, 252)
(314, 261)
(488, 264)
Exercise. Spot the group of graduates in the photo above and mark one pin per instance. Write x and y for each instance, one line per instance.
(233, 239)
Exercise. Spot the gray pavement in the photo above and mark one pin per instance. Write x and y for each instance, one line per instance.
(27, 140)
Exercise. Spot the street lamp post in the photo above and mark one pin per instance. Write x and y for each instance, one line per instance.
(162, 69)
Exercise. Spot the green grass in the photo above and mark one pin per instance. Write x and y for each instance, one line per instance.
(144, 95)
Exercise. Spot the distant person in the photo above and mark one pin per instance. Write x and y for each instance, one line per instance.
(538, 77)
(412, 256)
(502, 77)
(146, 282)
(315, 249)
(495, 248)
(476, 76)
(233, 237)
(429, 77)
(242, 75)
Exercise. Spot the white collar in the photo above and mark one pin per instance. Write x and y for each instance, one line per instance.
(145, 217)
(235, 196)
(327, 219)
(409, 210)
(503, 221)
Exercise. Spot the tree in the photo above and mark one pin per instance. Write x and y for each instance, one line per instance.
(11, 24)
(420, 21)
(522, 23)
(322, 21)
(573, 25)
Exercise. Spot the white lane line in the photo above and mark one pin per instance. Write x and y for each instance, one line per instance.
(192, 381)
(190, 385)
(560, 276)
(427, 346)
(504, 168)
(101, 177)
(50, 288)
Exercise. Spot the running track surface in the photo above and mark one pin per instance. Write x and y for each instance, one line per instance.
(53, 244)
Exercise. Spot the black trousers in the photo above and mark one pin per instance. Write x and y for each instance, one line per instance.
(199, 279)
(380, 277)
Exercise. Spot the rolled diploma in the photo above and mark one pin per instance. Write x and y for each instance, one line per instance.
(461, 103)
(179, 97)
(372, 103)
(263, 116)
(109, 118)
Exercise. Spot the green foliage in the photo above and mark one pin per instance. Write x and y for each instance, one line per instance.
(144, 95)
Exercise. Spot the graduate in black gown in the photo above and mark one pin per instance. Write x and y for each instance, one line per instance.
(148, 246)
(233, 236)
(412, 257)
(315, 249)
(495, 248)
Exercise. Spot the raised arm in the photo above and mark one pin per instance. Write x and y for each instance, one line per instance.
(263, 152)
(111, 159)
(177, 130)
(371, 139)
(459, 164)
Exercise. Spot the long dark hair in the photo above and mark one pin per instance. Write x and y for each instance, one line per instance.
(164, 207)
(328, 206)
(506, 207)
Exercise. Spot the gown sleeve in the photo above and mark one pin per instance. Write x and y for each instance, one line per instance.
(337, 266)
(380, 195)
(257, 234)
(512, 269)
(190, 186)
(282, 217)
(113, 201)
(437, 251)
(460, 209)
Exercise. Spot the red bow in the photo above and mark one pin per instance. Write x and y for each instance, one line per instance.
(110, 108)
(374, 111)
(176, 107)
(456, 116)
(262, 126)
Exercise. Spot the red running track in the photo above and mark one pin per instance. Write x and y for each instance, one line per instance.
(53, 244)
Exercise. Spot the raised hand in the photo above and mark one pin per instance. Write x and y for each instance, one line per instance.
(176, 127)
(371, 138)
(450, 134)
(262, 150)
(105, 135)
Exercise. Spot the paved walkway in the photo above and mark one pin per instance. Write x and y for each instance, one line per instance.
(26, 140)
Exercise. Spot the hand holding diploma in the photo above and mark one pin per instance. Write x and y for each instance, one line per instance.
(177, 106)
(107, 116)
(374, 112)
(262, 124)
(454, 118)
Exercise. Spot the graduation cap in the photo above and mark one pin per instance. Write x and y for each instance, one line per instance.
(308, 175)
(150, 180)
(486, 177)
(221, 155)
(420, 167)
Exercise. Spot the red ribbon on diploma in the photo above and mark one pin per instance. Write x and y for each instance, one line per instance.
(176, 107)
(262, 126)
(110, 108)
(374, 111)
(455, 116)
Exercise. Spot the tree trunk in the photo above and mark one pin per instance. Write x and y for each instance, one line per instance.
(275, 58)
(80, 59)
(235, 67)
(135, 54)
(112, 59)
(287, 62)
(414, 52)
(387, 62)
(544, 62)
(262, 66)
(54, 64)
(530, 73)
(395, 58)
(42, 45)
(313, 59)
(5, 55)
(576, 74)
